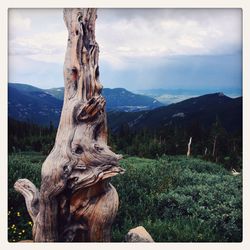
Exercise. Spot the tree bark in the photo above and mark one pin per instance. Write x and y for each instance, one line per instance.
(76, 200)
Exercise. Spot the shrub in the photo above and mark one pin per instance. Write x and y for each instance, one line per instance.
(21, 165)
(177, 199)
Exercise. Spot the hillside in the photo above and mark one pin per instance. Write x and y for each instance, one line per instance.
(28, 103)
(169, 96)
(203, 109)
(118, 99)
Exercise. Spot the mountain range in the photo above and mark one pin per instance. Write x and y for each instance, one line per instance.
(28, 103)
(118, 99)
(169, 96)
(204, 109)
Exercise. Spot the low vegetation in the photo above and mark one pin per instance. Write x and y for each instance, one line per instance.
(177, 199)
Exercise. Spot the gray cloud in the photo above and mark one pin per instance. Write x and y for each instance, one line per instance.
(131, 40)
(137, 33)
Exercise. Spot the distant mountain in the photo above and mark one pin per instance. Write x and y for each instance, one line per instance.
(56, 92)
(176, 91)
(122, 99)
(169, 96)
(118, 99)
(203, 109)
(28, 103)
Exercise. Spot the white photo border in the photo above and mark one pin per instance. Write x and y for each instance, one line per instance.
(5, 5)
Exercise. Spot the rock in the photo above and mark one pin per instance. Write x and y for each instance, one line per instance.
(138, 234)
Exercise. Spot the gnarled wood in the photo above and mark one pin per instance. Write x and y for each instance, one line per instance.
(77, 201)
(31, 195)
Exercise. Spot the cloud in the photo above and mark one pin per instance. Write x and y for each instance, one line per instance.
(40, 74)
(45, 47)
(156, 33)
(125, 34)
(37, 34)
(213, 72)
(18, 24)
(144, 46)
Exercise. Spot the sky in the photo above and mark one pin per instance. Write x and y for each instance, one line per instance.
(139, 48)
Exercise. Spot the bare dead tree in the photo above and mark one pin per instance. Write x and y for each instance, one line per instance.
(205, 151)
(76, 201)
(189, 147)
(214, 145)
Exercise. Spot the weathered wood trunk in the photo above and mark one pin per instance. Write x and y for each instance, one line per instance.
(76, 201)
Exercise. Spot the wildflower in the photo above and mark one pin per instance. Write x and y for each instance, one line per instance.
(18, 214)
(30, 223)
(23, 231)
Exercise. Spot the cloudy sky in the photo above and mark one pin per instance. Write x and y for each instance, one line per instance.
(139, 48)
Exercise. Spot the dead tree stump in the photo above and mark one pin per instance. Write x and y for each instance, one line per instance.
(76, 201)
